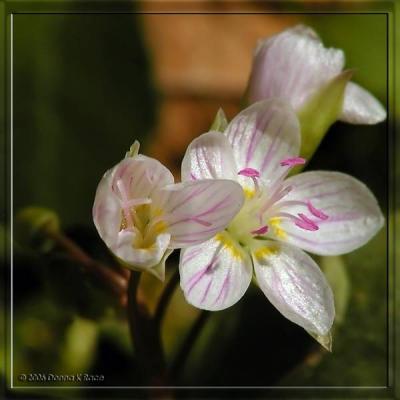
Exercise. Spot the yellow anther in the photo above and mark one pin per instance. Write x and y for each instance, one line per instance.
(275, 223)
(266, 251)
(231, 245)
(249, 193)
(159, 227)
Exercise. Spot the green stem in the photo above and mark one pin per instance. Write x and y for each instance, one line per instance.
(145, 336)
(188, 344)
(165, 299)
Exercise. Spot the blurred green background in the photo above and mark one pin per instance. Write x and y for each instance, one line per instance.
(85, 87)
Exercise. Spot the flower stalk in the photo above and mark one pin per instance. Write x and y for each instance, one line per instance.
(188, 344)
(115, 281)
(145, 336)
(165, 299)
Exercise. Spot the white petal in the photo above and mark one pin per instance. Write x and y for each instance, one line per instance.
(209, 157)
(295, 285)
(323, 340)
(140, 175)
(291, 65)
(354, 216)
(215, 274)
(195, 211)
(128, 250)
(360, 107)
(261, 136)
(106, 210)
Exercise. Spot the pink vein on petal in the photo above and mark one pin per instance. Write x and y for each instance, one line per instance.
(195, 279)
(224, 289)
(190, 196)
(206, 291)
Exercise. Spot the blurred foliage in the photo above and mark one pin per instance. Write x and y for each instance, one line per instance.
(83, 94)
(359, 356)
(335, 271)
(31, 226)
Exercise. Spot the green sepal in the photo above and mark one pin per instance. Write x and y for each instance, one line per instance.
(32, 224)
(220, 122)
(159, 270)
(133, 150)
(320, 112)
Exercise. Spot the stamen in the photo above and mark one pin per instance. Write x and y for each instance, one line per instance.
(124, 204)
(317, 213)
(249, 172)
(122, 191)
(287, 162)
(305, 223)
(260, 231)
(301, 221)
(253, 174)
(291, 162)
(127, 204)
(276, 196)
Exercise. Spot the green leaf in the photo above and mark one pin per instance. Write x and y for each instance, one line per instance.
(320, 112)
(80, 344)
(220, 122)
(79, 108)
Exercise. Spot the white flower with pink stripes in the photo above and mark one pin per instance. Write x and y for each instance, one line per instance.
(142, 215)
(294, 64)
(325, 213)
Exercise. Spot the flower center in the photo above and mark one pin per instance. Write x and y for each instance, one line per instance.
(139, 216)
(265, 208)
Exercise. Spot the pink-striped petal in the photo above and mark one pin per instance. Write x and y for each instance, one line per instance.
(215, 274)
(107, 210)
(209, 157)
(353, 214)
(291, 65)
(261, 137)
(360, 107)
(129, 182)
(130, 252)
(195, 211)
(295, 285)
(139, 176)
